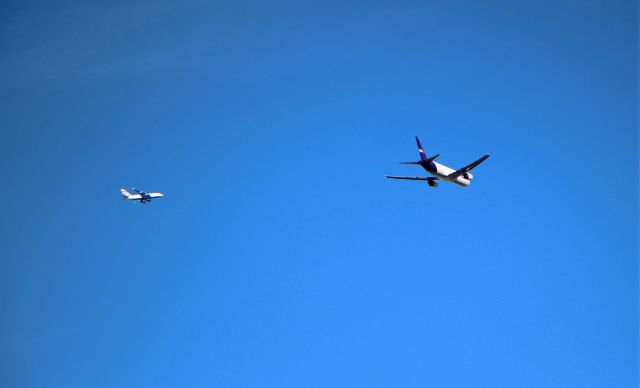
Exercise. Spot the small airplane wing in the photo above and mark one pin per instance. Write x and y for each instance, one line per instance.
(410, 178)
(468, 168)
(139, 191)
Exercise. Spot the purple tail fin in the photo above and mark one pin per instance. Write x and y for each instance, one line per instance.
(423, 156)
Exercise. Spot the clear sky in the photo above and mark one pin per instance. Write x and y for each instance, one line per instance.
(280, 256)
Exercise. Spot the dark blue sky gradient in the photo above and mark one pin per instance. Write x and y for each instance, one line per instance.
(280, 256)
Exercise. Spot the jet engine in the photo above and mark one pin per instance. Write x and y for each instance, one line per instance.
(432, 183)
(467, 176)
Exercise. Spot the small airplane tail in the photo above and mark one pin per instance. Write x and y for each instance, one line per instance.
(125, 193)
(423, 157)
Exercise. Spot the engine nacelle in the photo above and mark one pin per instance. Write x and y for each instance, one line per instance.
(467, 176)
(432, 183)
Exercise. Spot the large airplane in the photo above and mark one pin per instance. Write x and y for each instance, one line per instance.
(141, 197)
(460, 177)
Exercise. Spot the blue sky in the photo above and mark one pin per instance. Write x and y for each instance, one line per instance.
(280, 256)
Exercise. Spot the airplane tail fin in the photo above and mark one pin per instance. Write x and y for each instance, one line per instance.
(125, 193)
(423, 156)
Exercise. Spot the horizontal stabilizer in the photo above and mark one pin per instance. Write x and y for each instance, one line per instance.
(431, 159)
(425, 161)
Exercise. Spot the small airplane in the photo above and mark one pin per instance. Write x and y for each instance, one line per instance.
(460, 177)
(141, 197)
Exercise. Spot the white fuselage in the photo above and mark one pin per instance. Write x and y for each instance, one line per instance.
(442, 172)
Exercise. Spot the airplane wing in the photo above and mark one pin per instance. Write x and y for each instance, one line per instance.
(139, 191)
(411, 178)
(468, 168)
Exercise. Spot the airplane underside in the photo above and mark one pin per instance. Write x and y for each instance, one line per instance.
(461, 177)
(141, 196)
(460, 181)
